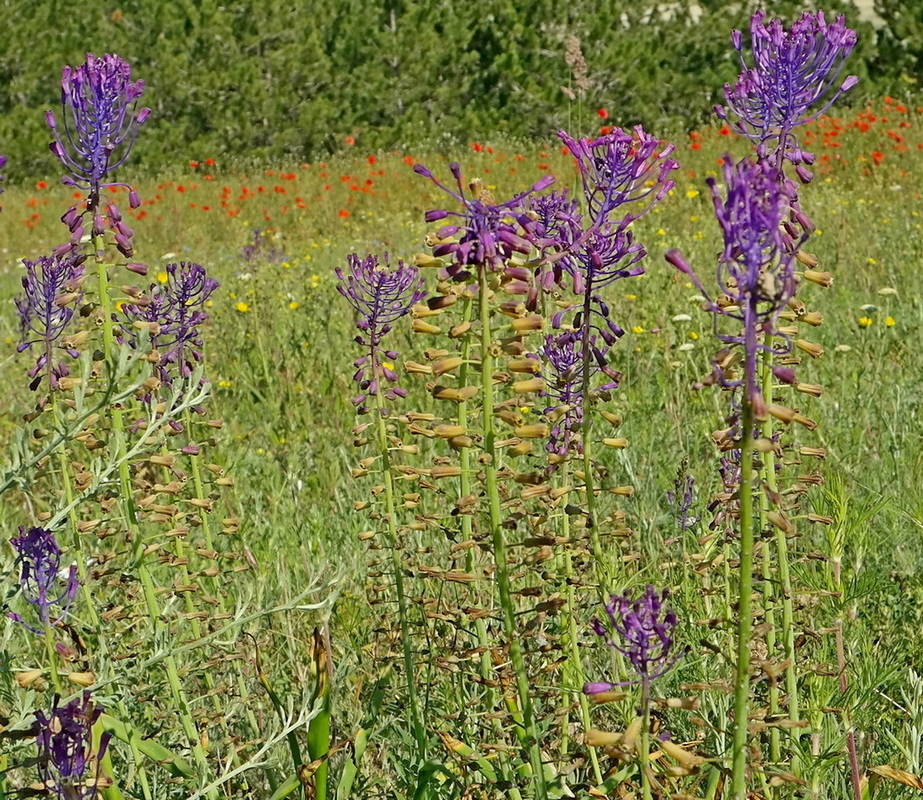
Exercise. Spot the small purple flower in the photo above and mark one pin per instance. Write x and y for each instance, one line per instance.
(172, 313)
(620, 168)
(756, 272)
(563, 363)
(65, 745)
(793, 72)
(41, 580)
(261, 249)
(51, 291)
(682, 499)
(485, 232)
(643, 631)
(380, 296)
(562, 369)
(101, 120)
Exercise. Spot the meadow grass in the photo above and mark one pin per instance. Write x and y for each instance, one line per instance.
(279, 355)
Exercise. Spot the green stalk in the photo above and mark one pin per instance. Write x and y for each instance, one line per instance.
(419, 733)
(745, 610)
(769, 478)
(118, 422)
(578, 676)
(586, 430)
(526, 724)
(66, 480)
(52, 658)
(486, 665)
(176, 688)
(784, 572)
(644, 745)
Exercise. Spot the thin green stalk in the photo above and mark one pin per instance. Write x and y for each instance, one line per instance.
(784, 573)
(529, 732)
(90, 605)
(419, 733)
(176, 689)
(768, 474)
(118, 422)
(573, 651)
(467, 525)
(52, 658)
(644, 752)
(586, 431)
(745, 609)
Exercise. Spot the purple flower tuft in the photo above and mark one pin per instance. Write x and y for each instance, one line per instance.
(793, 72)
(485, 232)
(643, 631)
(756, 272)
(51, 290)
(64, 740)
(620, 168)
(101, 120)
(172, 315)
(380, 296)
(40, 578)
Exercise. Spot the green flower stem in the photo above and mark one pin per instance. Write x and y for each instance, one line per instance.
(90, 605)
(784, 576)
(644, 742)
(767, 474)
(578, 677)
(586, 431)
(467, 525)
(527, 729)
(52, 658)
(419, 734)
(176, 689)
(745, 609)
(118, 422)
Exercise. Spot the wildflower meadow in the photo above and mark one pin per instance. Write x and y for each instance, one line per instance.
(584, 466)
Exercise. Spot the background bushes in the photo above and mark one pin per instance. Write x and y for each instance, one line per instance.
(280, 80)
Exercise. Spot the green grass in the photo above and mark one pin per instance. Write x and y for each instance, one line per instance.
(279, 355)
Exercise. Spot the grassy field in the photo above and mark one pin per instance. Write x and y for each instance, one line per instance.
(279, 354)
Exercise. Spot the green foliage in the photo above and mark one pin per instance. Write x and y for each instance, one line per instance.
(274, 81)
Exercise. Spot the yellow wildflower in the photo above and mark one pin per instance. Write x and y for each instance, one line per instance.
(243, 308)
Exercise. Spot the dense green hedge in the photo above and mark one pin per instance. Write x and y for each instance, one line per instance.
(286, 80)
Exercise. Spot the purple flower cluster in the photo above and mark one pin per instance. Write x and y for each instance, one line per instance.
(64, 739)
(793, 71)
(380, 296)
(51, 290)
(793, 80)
(620, 168)
(562, 369)
(172, 314)
(643, 631)
(40, 578)
(564, 362)
(487, 232)
(101, 120)
(756, 273)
